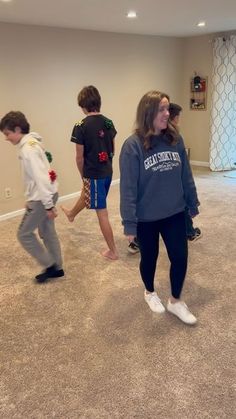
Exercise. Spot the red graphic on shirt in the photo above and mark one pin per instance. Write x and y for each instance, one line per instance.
(103, 156)
(101, 133)
(52, 175)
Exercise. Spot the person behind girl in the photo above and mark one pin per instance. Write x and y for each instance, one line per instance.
(94, 138)
(193, 233)
(41, 192)
(156, 184)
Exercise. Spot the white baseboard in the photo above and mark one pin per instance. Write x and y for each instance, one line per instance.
(115, 182)
(12, 214)
(199, 163)
(69, 196)
(61, 199)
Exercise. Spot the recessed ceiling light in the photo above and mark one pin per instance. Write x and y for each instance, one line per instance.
(131, 14)
(6, 1)
(201, 24)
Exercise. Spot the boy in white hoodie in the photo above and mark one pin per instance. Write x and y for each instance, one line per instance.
(41, 194)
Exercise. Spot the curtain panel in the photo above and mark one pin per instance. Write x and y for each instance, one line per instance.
(223, 109)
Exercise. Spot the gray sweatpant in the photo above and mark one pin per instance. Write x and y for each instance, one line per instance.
(36, 217)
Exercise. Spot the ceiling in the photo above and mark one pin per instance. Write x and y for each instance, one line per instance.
(155, 17)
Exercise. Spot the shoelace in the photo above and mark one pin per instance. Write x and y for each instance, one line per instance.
(156, 298)
(184, 307)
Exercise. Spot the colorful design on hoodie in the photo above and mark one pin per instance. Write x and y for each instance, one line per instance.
(39, 184)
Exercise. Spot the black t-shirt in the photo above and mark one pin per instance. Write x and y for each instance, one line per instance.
(96, 134)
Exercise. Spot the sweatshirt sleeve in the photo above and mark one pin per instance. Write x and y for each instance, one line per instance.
(129, 179)
(190, 191)
(38, 167)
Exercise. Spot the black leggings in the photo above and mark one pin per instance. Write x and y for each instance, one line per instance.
(173, 233)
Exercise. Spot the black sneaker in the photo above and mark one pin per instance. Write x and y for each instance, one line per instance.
(197, 234)
(51, 272)
(133, 247)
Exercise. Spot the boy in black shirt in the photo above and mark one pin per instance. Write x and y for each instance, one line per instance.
(94, 138)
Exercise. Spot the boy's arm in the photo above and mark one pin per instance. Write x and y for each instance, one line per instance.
(189, 186)
(80, 158)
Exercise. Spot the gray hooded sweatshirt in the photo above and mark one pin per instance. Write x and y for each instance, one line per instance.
(155, 183)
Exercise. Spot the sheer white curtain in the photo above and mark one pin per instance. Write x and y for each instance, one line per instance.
(223, 113)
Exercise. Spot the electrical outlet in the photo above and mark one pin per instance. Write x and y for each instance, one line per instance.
(8, 193)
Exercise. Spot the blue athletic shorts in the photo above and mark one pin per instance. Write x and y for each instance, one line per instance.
(96, 191)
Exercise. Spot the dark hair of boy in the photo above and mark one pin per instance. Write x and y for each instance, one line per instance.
(174, 110)
(15, 119)
(89, 98)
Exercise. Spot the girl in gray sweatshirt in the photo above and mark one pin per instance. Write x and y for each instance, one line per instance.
(156, 184)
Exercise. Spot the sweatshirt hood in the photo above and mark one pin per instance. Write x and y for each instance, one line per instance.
(31, 136)
(36, 136)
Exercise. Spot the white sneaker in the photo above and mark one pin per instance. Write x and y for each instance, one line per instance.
(154, 302)
(181, 310)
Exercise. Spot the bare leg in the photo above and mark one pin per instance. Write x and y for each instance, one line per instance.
(106, 230)
(79, 206)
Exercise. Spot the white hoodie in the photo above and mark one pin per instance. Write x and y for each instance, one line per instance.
(36, 168)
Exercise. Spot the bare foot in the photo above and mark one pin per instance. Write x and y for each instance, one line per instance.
(109, 255)
(67, 212)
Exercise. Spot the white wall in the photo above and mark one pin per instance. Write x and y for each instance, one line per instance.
(195, 125)
(42, 70)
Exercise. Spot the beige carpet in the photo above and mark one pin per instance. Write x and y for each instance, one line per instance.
(88, 346)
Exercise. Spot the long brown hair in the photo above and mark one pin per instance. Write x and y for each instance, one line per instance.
(146, 112)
